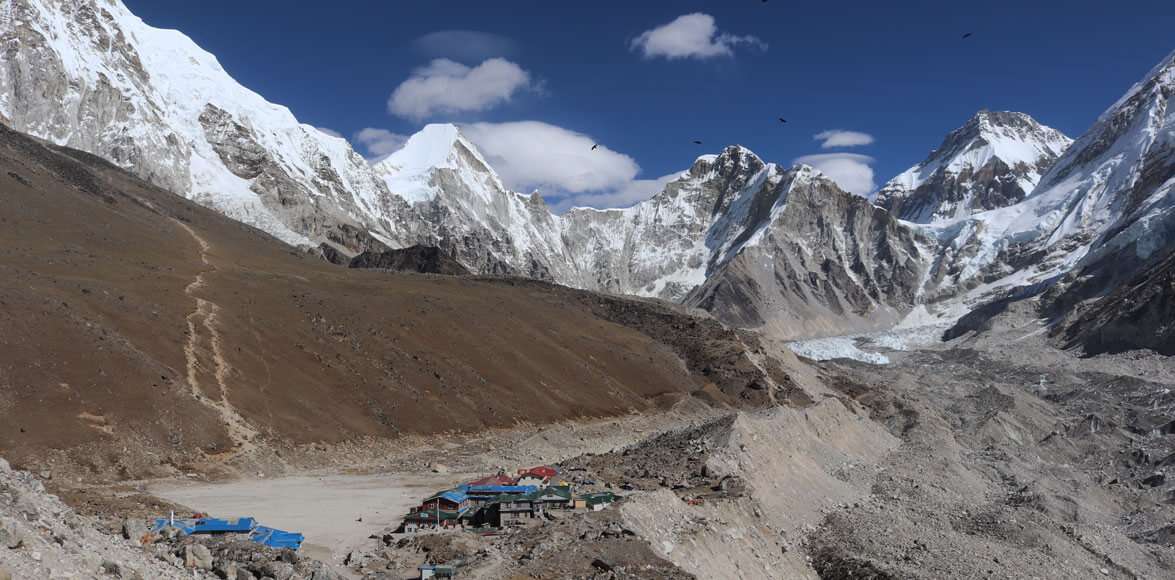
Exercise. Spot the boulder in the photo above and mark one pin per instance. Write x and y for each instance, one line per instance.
(135, 530)
(197, 556)
(277, 570)
(11, 536)
(227, 570)
(112, 568)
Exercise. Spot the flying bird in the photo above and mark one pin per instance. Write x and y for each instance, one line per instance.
(696, 142)
(782, 120)
(596, 146)
(966, 35)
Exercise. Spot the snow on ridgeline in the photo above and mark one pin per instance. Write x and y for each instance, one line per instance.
(1107, 195)
(992, 161)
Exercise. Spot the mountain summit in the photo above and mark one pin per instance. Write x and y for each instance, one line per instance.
(994, 160)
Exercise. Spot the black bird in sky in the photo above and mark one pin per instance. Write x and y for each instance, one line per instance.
(696, 142)
(782, 120)
(596, 146)
(966, 35)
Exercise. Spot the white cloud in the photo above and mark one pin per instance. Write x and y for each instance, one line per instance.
(628, 194)
(842, 138)
(380, 142)
(534, 155)
(852, 172)
(691, 36)
(468, 46)
(445, 86)
(330, 132)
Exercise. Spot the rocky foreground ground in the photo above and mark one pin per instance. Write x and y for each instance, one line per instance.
(41, 537)
(991, 456)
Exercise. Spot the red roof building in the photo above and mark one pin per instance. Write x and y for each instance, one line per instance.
(542, 472)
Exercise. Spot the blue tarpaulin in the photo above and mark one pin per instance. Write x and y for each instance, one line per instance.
(271, 537)
(191, 526)
(276, 538)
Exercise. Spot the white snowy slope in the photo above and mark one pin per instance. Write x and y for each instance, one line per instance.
(1002, 205)
(664, 246)
(91, 75)
(469, 212)
(1111, 194)
(992, 161)
(1114, 188)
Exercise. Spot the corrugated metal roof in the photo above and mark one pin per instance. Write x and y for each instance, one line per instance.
(497, 489)
(598, 497)
(562, 492)
(453, 495)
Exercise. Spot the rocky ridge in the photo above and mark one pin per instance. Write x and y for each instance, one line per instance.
(994, 160)
(191, 128)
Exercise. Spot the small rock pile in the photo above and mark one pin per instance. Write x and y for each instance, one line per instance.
(238, 559)
(41, 537)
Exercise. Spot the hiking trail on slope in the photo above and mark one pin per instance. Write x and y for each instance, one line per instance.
(206, 350)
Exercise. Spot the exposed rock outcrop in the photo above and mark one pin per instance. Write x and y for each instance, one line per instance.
(420, 259)
(826, 262)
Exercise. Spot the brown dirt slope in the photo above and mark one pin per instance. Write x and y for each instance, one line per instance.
(141, 333)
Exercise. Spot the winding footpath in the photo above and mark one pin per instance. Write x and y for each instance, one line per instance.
(204, 352)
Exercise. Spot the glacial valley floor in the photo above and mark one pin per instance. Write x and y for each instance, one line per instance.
(992, 456)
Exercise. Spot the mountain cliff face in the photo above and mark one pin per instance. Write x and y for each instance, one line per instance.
(822, 261)
(1136, 314)
(664, 246)
(1003, 204)
(92, 76)
(994, 160)
(1113, 200)
(464, 208)
(1102, 216)
(153, 102)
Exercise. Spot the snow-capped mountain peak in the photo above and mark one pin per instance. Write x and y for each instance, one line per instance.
(409, 171)
(1105, 208)
(90, 74)
(994, 160)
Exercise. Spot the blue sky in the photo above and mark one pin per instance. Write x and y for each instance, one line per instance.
(897, 71)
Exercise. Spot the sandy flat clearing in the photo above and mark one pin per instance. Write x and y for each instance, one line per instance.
(326, 508)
